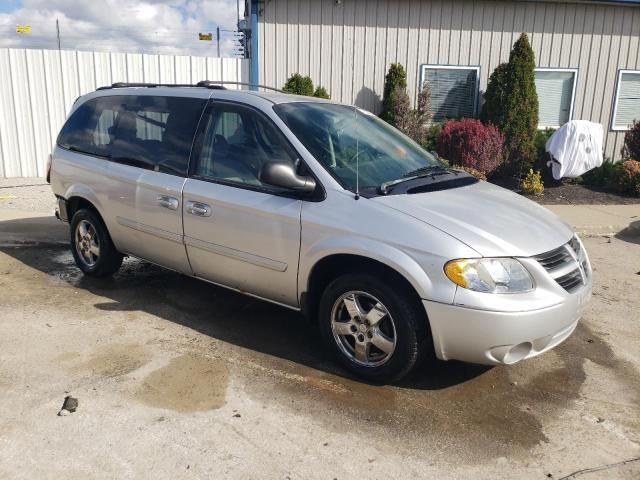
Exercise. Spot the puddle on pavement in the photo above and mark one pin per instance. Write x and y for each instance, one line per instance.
(188, 383)
(482, 413)
(482, 417)
(112, 360)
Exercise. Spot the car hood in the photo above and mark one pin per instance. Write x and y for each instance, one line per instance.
(492, 220)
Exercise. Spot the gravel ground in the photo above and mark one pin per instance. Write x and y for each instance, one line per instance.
(28, 194)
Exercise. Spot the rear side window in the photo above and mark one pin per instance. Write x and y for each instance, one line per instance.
(157, 132)
(91, 128)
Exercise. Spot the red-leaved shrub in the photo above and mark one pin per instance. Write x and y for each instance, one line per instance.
(471, 143)
(631, 148)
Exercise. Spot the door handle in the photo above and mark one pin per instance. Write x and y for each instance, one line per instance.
(198, 209)
(167, 202)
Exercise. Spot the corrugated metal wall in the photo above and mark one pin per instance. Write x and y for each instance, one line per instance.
(38, 87)
(348, 46)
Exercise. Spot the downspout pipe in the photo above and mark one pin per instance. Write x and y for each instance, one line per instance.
(254, 70)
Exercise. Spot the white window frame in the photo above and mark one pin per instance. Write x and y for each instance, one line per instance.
(476, 91)
(615, 100)
(573, 90)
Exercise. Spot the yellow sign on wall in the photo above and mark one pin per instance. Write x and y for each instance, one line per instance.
(23, 28)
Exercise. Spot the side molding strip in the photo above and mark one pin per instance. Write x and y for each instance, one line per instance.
(236, 254)
(158, 232)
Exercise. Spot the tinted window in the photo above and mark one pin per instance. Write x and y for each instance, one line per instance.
(90, 129)
(157, 132)
(237, 142)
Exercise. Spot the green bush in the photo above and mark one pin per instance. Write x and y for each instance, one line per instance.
(430, 140)
(513, 105)
(542, 157)
(303, 85)
(396, 79)
(299, 85)
(602, 176)
(321, 92)
(626, 178)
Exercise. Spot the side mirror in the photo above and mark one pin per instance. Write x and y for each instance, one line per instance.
(280, 174)
(435, 154)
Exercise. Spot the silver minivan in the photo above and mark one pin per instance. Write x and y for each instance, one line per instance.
(323, 208)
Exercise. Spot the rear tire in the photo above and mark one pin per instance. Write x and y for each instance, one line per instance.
(91, 245)
(377, 332)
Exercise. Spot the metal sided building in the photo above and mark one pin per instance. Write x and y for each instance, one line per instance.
(587, 53)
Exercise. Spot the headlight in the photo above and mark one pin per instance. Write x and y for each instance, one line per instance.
(491, 275)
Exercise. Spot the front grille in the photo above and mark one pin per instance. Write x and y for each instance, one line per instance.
(570, 281)
(574, 243)
(554, 259)
(562, 264)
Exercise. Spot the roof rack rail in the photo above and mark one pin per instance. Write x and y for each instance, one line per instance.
(212, 84)
(221, 83)
(153, 85)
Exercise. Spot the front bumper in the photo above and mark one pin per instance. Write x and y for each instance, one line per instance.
(494, 337)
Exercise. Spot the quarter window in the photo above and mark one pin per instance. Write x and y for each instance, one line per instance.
(454, 90)
(90, 129)
(237, 142)
(627, 101)
(556, 90)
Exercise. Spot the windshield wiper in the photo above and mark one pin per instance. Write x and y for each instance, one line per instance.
(422, 172)
(431, 169)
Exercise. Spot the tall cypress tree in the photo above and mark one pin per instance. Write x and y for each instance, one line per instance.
(521, 106)
(493, 109)
(396, 78)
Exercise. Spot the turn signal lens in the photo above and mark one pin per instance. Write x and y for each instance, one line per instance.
(490, 275)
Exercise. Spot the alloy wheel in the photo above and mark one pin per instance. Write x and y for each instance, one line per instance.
(363, 329)
(87, 243)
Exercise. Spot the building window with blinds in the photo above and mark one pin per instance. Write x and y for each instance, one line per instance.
(454, 90)
(556, 89)
(626, 108)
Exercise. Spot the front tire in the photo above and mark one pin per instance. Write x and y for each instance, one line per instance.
(91, 245)
(377, 332)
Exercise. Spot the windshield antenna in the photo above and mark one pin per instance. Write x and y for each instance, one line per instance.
(357, 155)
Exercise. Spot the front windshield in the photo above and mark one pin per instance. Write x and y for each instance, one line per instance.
(337, 135)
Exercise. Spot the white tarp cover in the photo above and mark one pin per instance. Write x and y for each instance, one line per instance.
(576, 148)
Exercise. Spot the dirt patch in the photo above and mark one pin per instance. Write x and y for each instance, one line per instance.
(107, 361)
(570, 194)
(581, 195)
(188, 383)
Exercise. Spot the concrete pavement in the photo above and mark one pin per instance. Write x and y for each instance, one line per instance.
(599, 220)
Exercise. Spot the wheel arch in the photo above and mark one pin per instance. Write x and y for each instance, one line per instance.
(78, 197)
(379, 259)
